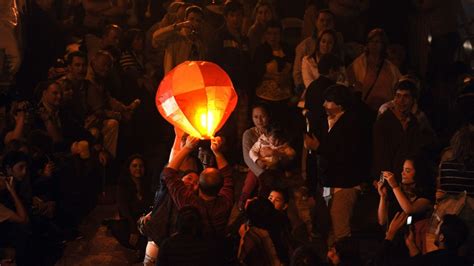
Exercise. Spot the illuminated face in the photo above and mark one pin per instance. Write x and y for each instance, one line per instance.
(260, 118)
(324, 21)
(191, 180)
(137, 168)
(52, 95)
(408, 172)
(263, 15)
(403, 101)
(277, 200)
(275, 141)
(326, 43)
(332, 108)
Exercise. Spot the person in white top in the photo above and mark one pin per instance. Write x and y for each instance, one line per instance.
(325, 44)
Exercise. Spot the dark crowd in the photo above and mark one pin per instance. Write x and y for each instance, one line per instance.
(352, 142)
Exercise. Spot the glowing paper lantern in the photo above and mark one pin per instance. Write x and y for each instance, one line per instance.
(197, 97)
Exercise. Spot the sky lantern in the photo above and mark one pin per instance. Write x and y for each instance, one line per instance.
(196, 97)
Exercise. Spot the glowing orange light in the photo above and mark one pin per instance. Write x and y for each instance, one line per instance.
(197, 97)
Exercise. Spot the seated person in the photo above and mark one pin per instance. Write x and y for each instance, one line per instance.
(189, 245)
(15, 200)
(261, 240)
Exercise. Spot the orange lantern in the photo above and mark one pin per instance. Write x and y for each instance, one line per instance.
(197, 97)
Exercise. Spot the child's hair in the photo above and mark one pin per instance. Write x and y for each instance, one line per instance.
(284, 192)
(277, 133)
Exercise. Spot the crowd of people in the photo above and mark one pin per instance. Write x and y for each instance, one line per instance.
(348, 97)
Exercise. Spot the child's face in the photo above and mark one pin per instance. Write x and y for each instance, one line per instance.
(278, 200)
(274, 141)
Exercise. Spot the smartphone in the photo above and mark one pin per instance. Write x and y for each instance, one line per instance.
(409, 220)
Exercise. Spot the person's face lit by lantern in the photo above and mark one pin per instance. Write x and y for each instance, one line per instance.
(191, 180)
(263, 15)
(78, 68)
(375, 45)
(273, 36)
(332, 108)
(102, 64)
(324, 21)
(260, 118)
(278, 200)
(52, 95)
(234, 20)
(408, 172)
(137, 168)
(326, 43)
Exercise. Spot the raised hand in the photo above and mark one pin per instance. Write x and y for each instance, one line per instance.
(191, 142)
(216, 144)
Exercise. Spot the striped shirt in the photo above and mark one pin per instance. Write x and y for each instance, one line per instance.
(456, 177)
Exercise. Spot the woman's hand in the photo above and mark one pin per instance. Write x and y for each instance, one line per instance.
(9, 182)
(382, 190)
(390, 177)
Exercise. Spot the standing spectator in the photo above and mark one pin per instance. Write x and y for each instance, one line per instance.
(372, 75)
(341, 147)
(397, 133)
(272, 63)
(184, 40)
(325, 44)
(231, 52)
(329, 66)
(324, 21)
(263, 13)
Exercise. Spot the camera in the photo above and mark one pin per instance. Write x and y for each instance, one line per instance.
(381, 178)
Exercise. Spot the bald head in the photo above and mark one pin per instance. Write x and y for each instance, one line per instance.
(210, 181)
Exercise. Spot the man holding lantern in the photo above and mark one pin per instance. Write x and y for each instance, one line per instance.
(214, 199)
